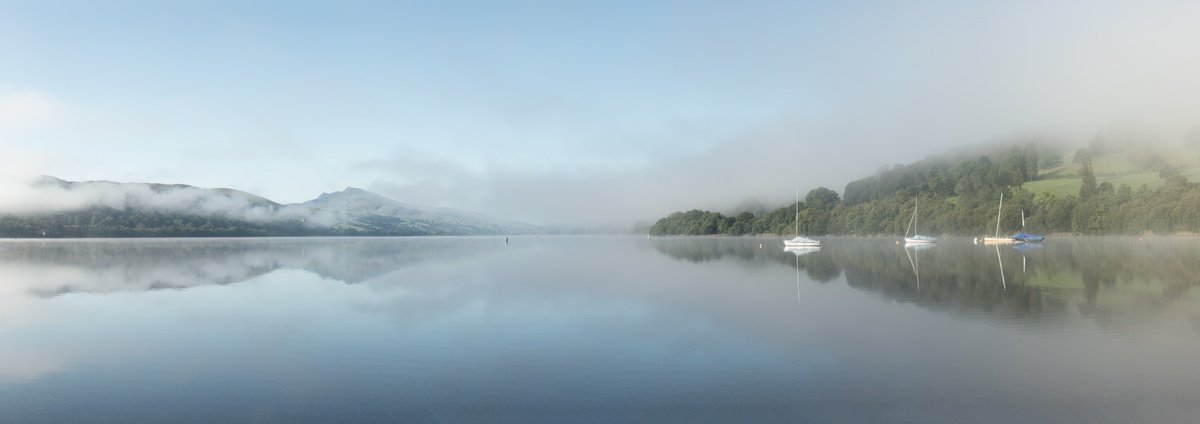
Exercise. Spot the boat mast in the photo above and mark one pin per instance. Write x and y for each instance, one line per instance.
(998, 215)
(1022, 220)
(912, 220)
(797, 212)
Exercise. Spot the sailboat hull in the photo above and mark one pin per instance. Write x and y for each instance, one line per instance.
(1026, 237)
(799, 242)
(919, 240)
(801, 250)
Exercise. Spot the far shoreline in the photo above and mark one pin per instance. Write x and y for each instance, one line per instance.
(1050, 235)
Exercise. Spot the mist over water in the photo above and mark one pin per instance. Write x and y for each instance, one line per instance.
(598, 328)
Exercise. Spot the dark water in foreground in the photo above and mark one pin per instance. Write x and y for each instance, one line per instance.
(598, 330)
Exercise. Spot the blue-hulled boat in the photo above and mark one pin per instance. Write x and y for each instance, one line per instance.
(1024, 236)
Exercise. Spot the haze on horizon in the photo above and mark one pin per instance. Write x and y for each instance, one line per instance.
(578, 113)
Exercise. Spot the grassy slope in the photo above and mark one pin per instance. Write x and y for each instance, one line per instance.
(1115, 168)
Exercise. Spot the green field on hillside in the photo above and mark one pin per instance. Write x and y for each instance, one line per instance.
(1115, 168)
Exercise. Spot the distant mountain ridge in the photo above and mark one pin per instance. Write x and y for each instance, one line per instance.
(59, 208)
(359, 203)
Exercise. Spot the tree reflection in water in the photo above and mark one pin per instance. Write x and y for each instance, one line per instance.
(1135, 275)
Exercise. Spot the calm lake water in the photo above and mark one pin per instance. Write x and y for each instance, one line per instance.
(598, 329)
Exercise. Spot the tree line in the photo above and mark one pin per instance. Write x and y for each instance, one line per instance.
(109, 222)
(959, 196)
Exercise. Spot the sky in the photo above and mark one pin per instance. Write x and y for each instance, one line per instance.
(594, 113)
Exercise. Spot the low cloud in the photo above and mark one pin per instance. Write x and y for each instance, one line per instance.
(31, 196)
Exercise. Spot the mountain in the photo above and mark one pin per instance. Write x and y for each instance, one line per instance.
(52, 207)
(358, 205)
(144, 194)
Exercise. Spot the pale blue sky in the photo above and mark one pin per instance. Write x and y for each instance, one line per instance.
(543, 110)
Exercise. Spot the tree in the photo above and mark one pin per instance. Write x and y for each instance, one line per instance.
(1031, 162)
(938, 183)
(821, 198)
(742, 224)
(1089, 187)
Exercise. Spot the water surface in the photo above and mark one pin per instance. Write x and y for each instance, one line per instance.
(598, 329)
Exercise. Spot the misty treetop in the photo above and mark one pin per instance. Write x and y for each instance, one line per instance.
(960, 195)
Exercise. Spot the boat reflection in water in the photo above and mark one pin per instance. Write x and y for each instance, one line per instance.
(799, 251)
(914, 258)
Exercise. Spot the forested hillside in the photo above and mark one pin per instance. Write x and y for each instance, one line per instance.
(1104, 188)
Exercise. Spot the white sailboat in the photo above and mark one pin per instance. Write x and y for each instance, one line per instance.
(799, 241)
(912, 225)
(997, 239)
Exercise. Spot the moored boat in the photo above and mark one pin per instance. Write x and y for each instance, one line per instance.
(997, 239)
(799, 241)
(1023, 236)
(1028, 238)
(912, 225)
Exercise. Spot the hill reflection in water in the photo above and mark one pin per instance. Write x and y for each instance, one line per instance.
(54, 267)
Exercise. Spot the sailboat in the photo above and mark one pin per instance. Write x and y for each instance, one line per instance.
(799, 241)
(997, 239)
(912, 225)
(1024, 236)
